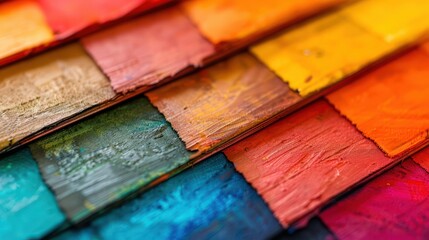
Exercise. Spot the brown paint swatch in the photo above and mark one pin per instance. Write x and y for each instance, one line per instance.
(223, 101)
(147, 50)
(46, 89)
(306, 159)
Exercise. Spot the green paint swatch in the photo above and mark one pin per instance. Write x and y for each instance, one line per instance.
(104, 158)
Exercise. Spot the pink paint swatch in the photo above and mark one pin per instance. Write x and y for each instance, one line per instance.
(68, 17)
(422, 158)
(306, 159)
(392, 206)
(147, 50)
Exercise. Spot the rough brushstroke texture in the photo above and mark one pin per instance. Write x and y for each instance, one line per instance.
(406, 19)
(229, 20)
(46, 89)
(322, 52)
(145, 51)
(27, 208)
(220, 102)
(422, 158)
(68, 17)
(208, 201)
(389, 105)
(104, 158)
(392, 206)
(301, 162)
(22, 27)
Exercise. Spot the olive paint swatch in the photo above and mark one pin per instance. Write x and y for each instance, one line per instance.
(222, 101)
(46, 89)
(105, 158)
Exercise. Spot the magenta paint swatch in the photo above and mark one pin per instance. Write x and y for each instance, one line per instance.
(392, 206)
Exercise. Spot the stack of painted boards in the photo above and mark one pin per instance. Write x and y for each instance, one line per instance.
(220, 119)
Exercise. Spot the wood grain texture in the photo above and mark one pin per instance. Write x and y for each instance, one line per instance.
(222, 101)
(305, 160)
(144, 51)
(208, 201)
(28, 209)
(393, 206)
(22, 27)
(231, 20)
(389, 105)
(322, 52)
(103, 159)
(68, 17)
(46, 89)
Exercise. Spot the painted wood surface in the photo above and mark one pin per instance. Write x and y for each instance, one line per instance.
(231, 20)
(324, 51)
(389, 105)
(22, 27)
(144, 51)
(303, 161)
(28, 209)
(422, 158)
(222, 101)
(208, 201)
(46, 89)
(68, 17)
(393, 206)
(103, 159)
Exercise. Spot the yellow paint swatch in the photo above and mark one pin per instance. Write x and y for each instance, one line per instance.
(324, 51)
(22, 26)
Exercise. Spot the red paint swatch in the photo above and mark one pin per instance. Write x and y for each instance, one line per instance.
(306, 159)
(422, 158)
(392, 206)
(147, 50)
(68, 17)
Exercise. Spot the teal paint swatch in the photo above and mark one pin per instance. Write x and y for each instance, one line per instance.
(27, 207)
(104, 158)
(207, 201)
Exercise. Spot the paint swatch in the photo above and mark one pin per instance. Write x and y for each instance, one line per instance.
(232, 20)
(105, 158)
(142, 52)
(389, 105)
(324, 51)
(22, 27)
(210, 200)
(68, 17)
(305, 160)
(27, 208)
(46, 89)
(222, 101)
(392, 206)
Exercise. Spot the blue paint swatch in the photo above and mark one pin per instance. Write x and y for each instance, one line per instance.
(27, 207)
(209, 200)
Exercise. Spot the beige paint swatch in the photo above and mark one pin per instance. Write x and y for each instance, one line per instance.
(46, 89)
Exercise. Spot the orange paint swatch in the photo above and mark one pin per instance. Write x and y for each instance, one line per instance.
(390, 104)
(229, 20)
(22, 27)
(301, 162)
(223, 101)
